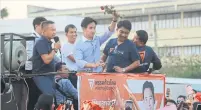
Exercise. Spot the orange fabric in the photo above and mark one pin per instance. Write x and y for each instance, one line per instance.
(198, 96)
(61, 107)
(88, 105)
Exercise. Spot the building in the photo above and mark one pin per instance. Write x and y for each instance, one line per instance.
(178, 23)
(25, 26)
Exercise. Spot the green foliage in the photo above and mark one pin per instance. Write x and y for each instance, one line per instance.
(185, 67)
(4, 13)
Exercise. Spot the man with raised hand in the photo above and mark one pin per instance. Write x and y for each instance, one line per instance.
(87, 51)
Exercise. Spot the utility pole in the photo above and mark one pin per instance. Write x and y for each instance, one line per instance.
(155, 36)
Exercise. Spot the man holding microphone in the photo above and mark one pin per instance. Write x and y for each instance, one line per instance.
(43, 57)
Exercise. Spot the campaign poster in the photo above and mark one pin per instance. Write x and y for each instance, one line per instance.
(121, 91)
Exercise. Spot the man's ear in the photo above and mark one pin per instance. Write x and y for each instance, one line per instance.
(37, 26)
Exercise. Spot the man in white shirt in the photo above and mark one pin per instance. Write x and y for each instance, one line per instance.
(68, 48)
(37, 28)
(68, 57)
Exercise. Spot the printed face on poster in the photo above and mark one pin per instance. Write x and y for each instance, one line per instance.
(128, 91)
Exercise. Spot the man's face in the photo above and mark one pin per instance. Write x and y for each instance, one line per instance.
(49, 31)
(169, 104)
(64, 70)
(180, 99)
(90, 30)
(136, 40)
(122, 34)
(72, 35)
(148, 99)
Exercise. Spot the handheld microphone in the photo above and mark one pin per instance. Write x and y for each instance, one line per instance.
(150, 69)
(56, 39)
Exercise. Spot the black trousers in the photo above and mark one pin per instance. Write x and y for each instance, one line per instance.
(34, 93)
(73, 78)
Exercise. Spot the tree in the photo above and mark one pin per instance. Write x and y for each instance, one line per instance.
(4, 13)
(185, 67)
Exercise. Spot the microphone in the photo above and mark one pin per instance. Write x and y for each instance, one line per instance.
(56, 39)
(150, 69)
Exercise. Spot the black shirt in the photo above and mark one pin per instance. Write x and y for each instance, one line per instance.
(147, 56)
(120, 55)
(42, 46)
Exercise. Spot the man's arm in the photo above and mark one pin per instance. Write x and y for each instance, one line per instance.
(67, 53)
(69, 88)
(71, 57)
(110, 29)
(42, 49)
(104, 57)
(47, 58)
(132, 66)
(105, 51)
(134, 57)
(156, 62)
(79, 59)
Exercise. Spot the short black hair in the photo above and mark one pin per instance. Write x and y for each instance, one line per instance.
(46, 23)
(86, 21)
(143, 36)
(128, 108)
(68, 27)
(38, 21)
(194, 91)
(150, 85)
(171, 101)
(125, 23)
(182, 96)
(44, 102)
(59, 66)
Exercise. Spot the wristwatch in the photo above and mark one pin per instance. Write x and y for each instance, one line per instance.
(55, 49)
(123, 70)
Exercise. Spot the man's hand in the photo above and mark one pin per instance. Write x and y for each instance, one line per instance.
(102, 63)
(95, 65)
(57, 45)
(115, 16)
(118, 97)
(118, 69)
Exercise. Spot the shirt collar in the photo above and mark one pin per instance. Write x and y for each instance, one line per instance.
(140, 48)
(49, 41)
(69, 43)
(85, 39)
(37, 35)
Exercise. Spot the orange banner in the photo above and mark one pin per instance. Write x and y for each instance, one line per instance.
(122, 91)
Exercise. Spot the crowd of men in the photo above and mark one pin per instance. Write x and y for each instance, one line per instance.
(190, 102)
(120, 55)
